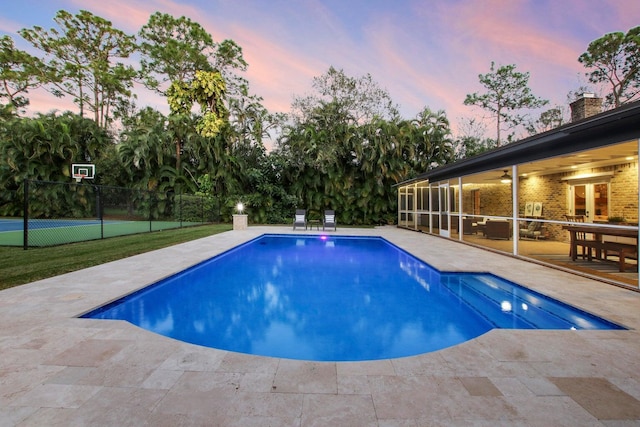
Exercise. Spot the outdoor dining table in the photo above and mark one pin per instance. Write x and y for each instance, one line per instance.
(598, 232)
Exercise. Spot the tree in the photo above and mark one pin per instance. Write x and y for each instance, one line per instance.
(332, 161)
(432, 139)
(549, 119)
(146, 151)
(360, 99)
(174, 49)
(269, 200)
(346, 148)
(615, 60)
(181, 60)
(469, 146)
(80, 59)
(316, 150)
(471, 140)
(19, 72)
(250, 120)
(206, 89)
(507, 92)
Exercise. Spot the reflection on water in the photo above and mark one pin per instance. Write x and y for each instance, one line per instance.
(335, 299)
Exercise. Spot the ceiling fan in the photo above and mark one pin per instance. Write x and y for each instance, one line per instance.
(506, 178)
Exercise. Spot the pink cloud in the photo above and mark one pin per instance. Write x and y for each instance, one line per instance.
(131, 15)
(601, 16)
(41, 101)
(504, 35)
(9, 26)
(476, 33)
(273, 67)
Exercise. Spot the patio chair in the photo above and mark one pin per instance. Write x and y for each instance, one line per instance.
(469, 226)
(329, 220)
(497, 229)
(532, 231)
(300, 219)
(584, 240)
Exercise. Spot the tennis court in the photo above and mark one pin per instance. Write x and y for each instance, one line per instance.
(51, 232)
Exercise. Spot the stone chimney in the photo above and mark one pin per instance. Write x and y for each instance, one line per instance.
(585, 106)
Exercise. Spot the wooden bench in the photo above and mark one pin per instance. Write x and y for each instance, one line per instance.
(587, 248)
(623, 250)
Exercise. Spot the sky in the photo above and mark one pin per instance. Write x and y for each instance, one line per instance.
(425, 53)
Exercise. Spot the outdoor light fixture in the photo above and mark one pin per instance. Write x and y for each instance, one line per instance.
(505, 178)
(240, 207)
(505, 306)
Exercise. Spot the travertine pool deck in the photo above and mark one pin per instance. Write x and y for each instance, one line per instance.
(59, 370)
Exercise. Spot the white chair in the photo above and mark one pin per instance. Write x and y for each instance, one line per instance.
(329, 220)
(300, 219)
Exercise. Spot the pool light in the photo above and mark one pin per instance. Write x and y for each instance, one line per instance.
(505, 306)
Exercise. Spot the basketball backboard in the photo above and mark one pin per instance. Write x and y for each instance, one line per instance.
(83, 171)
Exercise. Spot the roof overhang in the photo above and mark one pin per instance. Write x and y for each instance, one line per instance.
(608, 128)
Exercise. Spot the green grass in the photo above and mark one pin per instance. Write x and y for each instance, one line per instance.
(18, 266)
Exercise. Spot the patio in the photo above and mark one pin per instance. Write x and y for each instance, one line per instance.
(556, 253)
(583, 171)
(57, 369)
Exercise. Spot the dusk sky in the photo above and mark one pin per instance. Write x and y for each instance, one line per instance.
(425, 53)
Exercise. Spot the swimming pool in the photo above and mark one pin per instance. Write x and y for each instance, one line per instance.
(336, 298)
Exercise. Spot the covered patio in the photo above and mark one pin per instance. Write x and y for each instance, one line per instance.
(521, 198)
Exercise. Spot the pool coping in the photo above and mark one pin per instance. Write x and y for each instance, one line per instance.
(58, 369)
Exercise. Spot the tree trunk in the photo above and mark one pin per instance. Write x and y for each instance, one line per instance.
(498, 129)
(178, 149)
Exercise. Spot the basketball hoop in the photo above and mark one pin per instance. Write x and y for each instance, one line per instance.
(83, 171)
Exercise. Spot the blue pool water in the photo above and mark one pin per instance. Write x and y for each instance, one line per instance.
(334, 299)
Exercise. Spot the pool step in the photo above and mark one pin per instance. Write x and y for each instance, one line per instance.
(508, 307)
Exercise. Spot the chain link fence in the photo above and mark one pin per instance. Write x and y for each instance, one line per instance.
(58, 212)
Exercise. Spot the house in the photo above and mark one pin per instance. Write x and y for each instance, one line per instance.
(519, 198)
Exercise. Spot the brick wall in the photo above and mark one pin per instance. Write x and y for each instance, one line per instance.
(624, 192)
(552, 191)
(495, 199)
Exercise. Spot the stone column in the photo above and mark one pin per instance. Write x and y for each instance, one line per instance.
(240, 222)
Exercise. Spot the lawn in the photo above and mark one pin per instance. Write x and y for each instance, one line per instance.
(18, 266)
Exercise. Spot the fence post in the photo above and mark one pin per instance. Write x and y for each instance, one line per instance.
(218, 208)
(151, 197)
(98, 190)
(25, 216)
